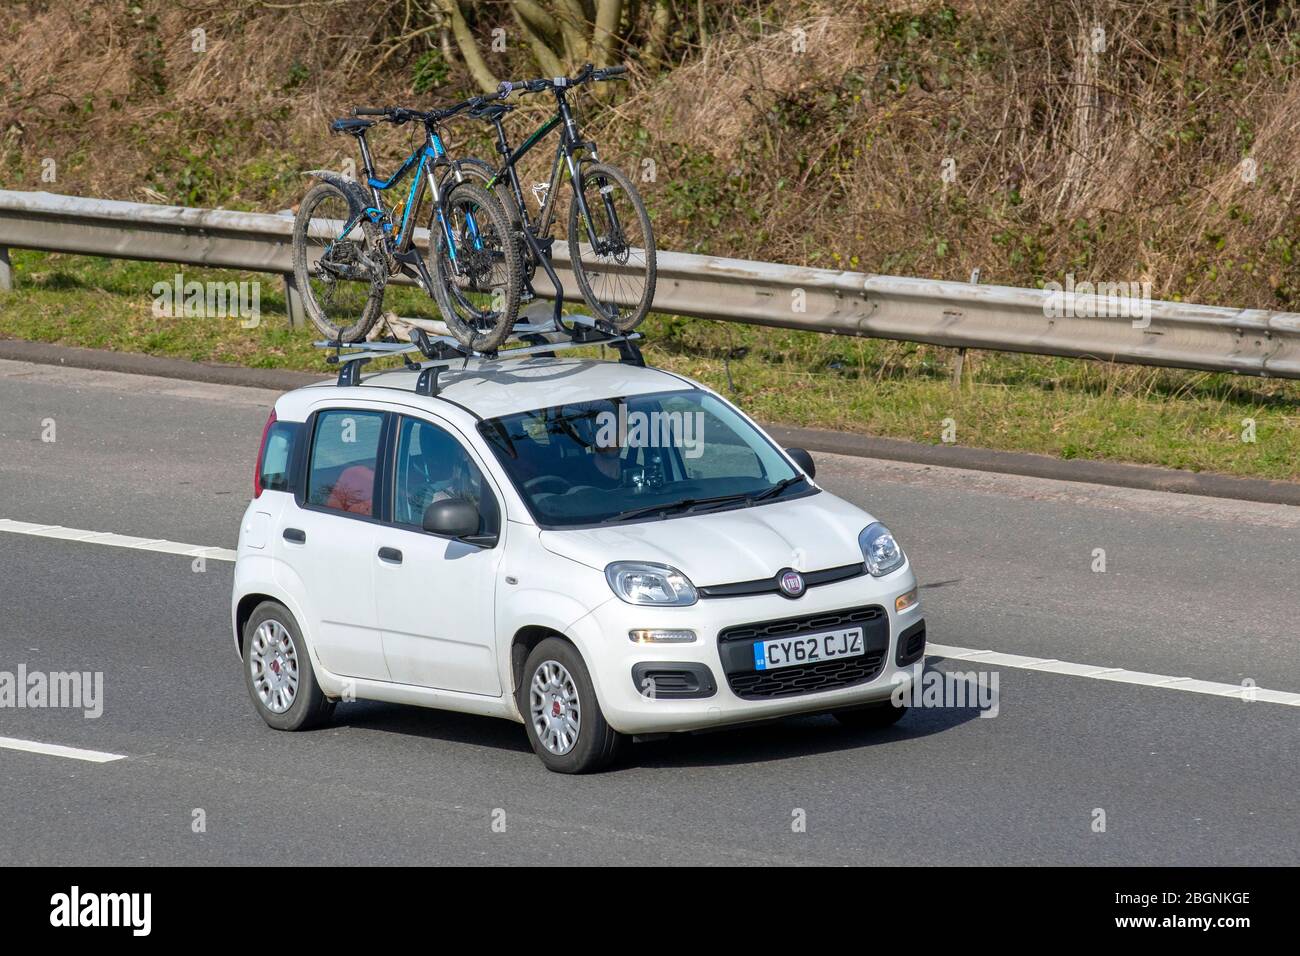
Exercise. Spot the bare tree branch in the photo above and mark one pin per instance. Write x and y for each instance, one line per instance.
(573, 21)
(657, 40)
(608, 14)
(537, 19)
(542, 53)
(469, 51)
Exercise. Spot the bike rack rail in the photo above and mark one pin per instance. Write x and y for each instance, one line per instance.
(539, 339)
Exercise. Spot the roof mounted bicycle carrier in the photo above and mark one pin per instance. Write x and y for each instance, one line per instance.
(539, 339)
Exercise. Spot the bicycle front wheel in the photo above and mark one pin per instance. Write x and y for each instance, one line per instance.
(475, 265)
(616, 274)
(341, 284)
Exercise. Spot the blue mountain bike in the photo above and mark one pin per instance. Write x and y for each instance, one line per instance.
(348, 243)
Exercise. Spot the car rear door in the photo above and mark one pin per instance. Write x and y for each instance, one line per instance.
(327, 538)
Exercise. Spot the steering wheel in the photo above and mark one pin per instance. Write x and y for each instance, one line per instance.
(544, 484)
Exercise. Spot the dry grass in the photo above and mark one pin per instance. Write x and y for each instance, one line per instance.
(805, 131)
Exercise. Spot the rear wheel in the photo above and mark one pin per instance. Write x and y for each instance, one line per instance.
(617, 275)
(278, 671)
(563, 718)
(339, 277)
(476, 278)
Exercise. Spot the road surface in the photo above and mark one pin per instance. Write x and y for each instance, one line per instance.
(1193, 588)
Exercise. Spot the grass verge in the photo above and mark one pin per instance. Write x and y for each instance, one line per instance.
(1061, 407)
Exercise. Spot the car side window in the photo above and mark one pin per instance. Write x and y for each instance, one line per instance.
(432, 465)
(276, 459)
(344, 459)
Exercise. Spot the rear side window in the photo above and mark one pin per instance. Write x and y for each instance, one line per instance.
(277, 457)
(344, 459)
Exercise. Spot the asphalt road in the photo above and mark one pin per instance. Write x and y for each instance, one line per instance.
(1193, 587)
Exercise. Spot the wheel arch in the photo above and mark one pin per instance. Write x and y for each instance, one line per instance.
(244, 609)
(522, 644)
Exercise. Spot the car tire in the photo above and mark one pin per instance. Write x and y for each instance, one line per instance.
(562, 717)
(871, 717)
(278, 671)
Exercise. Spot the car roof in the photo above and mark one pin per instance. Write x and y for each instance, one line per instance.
(490, 388)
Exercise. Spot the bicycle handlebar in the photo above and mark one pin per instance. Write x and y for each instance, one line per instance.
(399, 114)
(587, 74)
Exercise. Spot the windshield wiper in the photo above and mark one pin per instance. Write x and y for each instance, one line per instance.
(779, 487)
(695, 504)
(685, 504)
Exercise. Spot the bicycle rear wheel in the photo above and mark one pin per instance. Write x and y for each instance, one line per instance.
(477, 278)
(617, 276)
(338, 276)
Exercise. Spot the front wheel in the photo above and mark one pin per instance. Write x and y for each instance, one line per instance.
(617, 274)
(564, 721)
(475, 265)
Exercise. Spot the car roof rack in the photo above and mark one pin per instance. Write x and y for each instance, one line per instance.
(542, 339)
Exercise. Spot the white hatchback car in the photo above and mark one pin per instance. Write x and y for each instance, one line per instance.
(594, 549)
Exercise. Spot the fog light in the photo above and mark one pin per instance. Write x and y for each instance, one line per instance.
(661, 637)
(905, 602)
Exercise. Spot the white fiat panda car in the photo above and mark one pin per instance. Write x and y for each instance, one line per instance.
(594, 549)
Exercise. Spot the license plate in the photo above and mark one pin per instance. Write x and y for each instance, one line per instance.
(808, 648)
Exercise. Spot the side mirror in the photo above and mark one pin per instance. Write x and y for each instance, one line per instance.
(804, 460)
(451, 518)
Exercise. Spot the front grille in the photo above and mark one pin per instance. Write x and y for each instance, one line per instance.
(825, 621)
(806, 678)
(736, 648)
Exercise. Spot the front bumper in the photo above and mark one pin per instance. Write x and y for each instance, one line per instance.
(711, 682)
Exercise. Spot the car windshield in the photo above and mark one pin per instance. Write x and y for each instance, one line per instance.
(639, 457)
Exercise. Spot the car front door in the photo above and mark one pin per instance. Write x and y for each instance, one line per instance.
(436, 596)
(327, 540)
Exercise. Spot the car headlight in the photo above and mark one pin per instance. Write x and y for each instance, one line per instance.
(639, 582)
(880, 552)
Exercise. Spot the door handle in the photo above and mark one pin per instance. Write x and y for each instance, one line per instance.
(296, 535)
(391, 555)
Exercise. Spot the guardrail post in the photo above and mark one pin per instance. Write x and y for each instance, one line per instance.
(959, 366)
(6, 270)
(293, 302)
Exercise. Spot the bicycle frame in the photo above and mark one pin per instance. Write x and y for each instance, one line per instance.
(423, 161)
(570, 143)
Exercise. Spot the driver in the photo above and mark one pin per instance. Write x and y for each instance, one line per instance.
(605, 466)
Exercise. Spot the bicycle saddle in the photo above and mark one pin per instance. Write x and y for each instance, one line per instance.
(350, 125)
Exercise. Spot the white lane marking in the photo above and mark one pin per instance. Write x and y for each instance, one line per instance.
(1116, 674)
(115, 540)
(995, 658)
(58, 750)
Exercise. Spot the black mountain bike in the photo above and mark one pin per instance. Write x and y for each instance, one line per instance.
(347, 243)
(611, 242)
